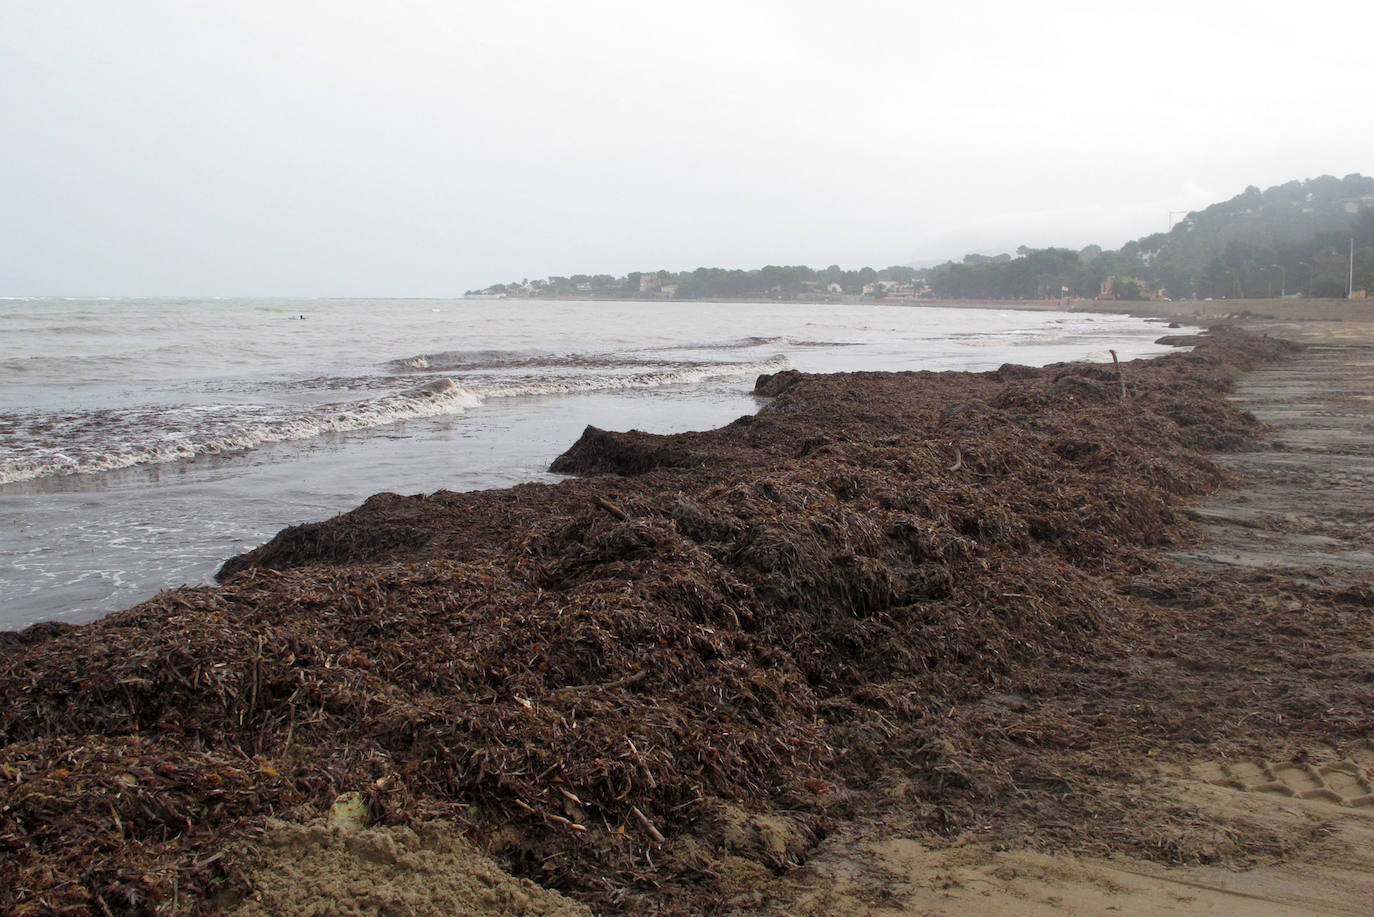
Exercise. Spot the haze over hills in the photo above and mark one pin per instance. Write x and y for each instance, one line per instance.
(1291, 238)
(1294, 238)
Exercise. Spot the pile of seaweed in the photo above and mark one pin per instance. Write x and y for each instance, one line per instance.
(589, 677)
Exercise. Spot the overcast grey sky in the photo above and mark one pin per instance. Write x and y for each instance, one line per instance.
(420, 147)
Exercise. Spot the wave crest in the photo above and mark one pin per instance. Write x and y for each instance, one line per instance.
(109, 440)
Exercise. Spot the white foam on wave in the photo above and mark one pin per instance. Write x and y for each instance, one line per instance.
(484, 360)
(682, 376)
(199, 434)
(194, 430)
(743, 343)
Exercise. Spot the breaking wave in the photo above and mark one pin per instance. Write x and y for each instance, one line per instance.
(480, 360)
(106, 440)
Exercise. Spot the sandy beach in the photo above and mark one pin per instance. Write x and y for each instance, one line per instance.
(1296, 517)
(1072, 639)
(556, 460)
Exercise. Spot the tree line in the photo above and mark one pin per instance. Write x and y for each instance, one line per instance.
(773, 281)
(1291, 239)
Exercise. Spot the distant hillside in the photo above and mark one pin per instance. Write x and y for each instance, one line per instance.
(1292, 239)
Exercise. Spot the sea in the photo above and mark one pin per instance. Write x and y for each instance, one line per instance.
(143, 442)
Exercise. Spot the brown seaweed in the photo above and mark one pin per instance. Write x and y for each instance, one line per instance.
(943, 576)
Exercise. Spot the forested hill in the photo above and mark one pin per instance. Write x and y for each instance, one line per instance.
(1290, 239)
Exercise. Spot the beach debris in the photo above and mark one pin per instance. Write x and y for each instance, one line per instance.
(348, 812)
(648, 825)
(770, 385)
(770, 616)
(1116, 363)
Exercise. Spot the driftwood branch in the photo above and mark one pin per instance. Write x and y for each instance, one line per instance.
(648, 825)
(1119, 378)
(611, 508)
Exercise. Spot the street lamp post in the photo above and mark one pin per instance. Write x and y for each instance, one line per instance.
(1283, 280)
(1350, 277)
(1310, 272)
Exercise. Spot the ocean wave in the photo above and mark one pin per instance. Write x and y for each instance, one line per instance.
(87, 368)
(448, 360)
(108, 440)
(1012, 336)
(190, 431)
(482, 360)
(686, 375)
(744, 343)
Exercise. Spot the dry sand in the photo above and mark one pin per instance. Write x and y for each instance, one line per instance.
(332, 870)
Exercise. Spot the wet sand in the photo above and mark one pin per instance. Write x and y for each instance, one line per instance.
(917, 643)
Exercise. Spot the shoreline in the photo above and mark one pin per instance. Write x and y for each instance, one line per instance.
(223, 502)
(664, 683)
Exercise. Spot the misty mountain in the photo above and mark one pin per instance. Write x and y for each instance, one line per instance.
(1289, 239)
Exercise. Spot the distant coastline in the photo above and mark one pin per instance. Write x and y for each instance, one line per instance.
(1035, 305)
(1286, 309)
(1314, 238)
